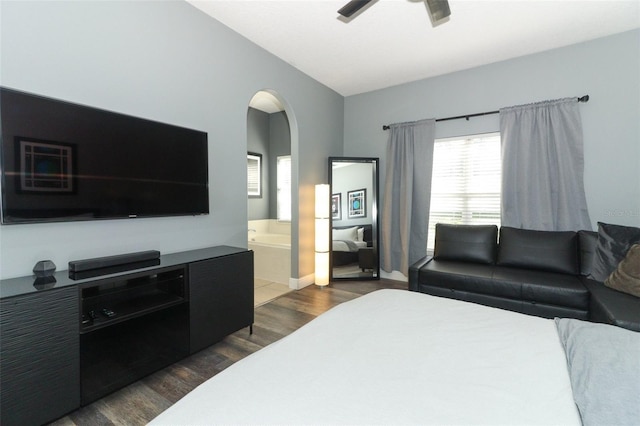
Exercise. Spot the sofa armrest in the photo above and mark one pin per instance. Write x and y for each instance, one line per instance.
(414, 271)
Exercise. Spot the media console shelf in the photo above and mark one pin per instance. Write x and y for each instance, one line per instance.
(131, 326)
(66, 343)
(116, 300)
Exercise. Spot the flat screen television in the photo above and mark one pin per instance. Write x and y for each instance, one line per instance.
(66, 162)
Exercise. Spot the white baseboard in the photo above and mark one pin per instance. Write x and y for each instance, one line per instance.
(299, 283)
(394, 275)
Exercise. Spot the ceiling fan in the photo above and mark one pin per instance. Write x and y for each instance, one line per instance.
(438, 9)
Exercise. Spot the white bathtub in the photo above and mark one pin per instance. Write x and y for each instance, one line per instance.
(271, 256)
(271, 239)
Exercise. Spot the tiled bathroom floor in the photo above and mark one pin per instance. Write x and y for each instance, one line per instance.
(265, 291)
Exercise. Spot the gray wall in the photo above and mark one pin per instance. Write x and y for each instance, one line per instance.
(279, 144)
(169, 62)
(258, 142)
(269, 135)
(607, 69)
(166, 61)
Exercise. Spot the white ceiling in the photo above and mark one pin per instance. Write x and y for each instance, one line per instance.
(265, 101)
(393, 42)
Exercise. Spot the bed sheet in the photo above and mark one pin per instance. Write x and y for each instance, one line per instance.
(395, 357)
(339, 245)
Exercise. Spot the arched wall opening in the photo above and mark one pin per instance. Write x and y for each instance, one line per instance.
(272, 141)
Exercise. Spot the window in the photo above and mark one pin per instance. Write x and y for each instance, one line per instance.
(284, 187)
(254, 175)
(465, 185)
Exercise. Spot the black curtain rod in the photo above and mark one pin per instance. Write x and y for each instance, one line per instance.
(584, 98)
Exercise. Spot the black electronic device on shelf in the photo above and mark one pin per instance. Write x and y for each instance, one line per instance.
(94, 267)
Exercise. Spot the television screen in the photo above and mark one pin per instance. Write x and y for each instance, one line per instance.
(64, 162)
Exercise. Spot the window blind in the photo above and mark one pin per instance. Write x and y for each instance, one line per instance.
(465, 186)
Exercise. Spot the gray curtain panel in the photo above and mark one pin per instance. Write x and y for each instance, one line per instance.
(543, 167)
(407, 194)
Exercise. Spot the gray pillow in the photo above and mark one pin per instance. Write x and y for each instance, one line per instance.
(604, 367)
(614, 241)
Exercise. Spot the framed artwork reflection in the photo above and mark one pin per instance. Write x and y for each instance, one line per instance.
(45, 167)
(254, 175)
(336, 206)
(357, 203)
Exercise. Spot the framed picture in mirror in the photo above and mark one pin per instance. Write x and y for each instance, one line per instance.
(357, 203)
(336, 206)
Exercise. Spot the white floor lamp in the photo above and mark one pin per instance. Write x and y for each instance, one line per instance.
(322, 234)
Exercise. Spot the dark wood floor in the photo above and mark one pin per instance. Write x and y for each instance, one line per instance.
(142, 401)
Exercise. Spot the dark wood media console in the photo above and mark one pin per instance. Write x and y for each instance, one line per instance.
(65, 343)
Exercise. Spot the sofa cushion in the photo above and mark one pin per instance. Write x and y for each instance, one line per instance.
(614, 241)
(626, 277)
(466, 276)
(546, 287)
(587, 242)
(552, 251)
(466, 243)
(611, 306)
(483, 299)
(552, 311)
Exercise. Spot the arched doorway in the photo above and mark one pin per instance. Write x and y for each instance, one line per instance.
(269, 194)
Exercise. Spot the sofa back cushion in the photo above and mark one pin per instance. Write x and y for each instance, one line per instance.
(466, 243)
(587, 242)
(552, 251)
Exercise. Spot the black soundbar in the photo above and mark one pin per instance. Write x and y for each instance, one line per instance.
(90, 273)
(108, 261)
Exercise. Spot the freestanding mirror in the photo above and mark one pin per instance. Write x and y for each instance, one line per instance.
(354, 218)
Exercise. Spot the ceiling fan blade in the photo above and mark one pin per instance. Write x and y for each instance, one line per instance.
(438, 9)
(352, 7)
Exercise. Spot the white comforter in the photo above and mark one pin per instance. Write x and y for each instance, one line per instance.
(395, 357)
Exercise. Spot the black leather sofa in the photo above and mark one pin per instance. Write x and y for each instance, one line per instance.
(533, 272)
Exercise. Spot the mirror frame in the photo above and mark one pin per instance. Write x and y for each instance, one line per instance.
(375, 163)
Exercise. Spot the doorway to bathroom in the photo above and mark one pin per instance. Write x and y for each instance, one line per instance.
(269, 192)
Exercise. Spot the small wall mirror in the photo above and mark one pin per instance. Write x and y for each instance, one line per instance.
(354, 218)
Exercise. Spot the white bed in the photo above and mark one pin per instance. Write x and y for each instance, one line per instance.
(349, 246)
(346, 244)
(395, 357)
